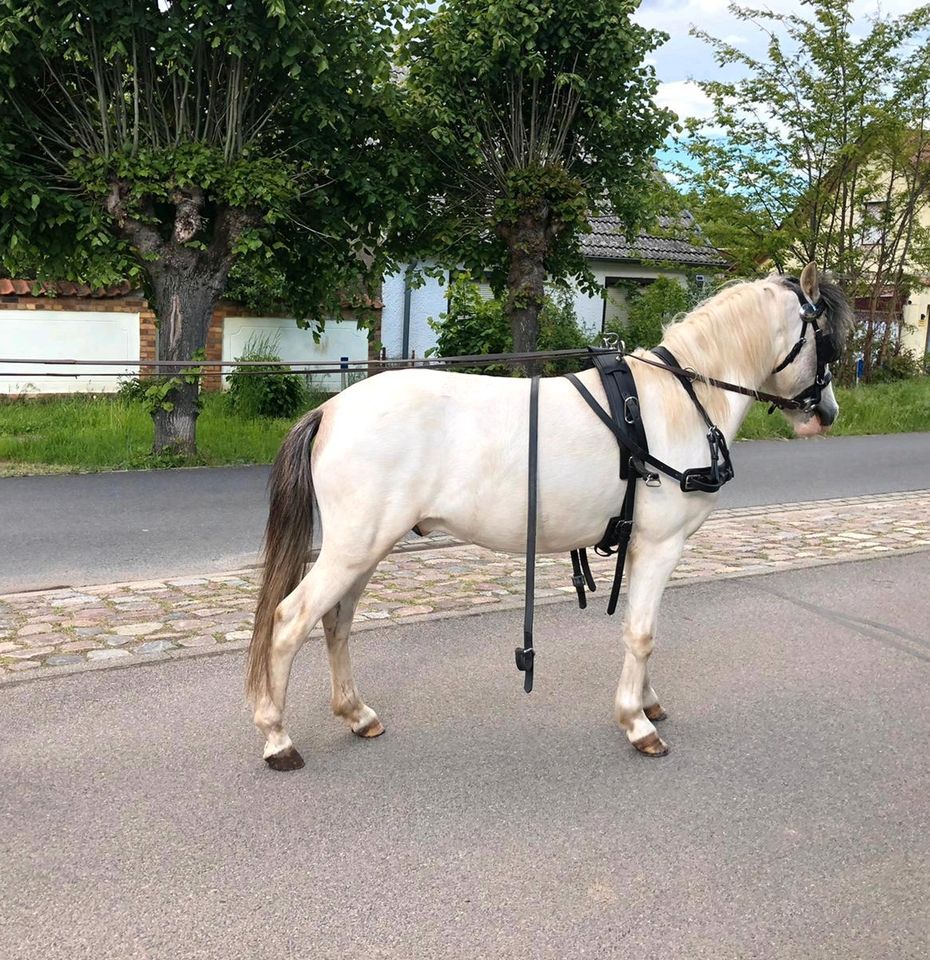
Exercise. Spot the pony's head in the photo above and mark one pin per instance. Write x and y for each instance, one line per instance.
(818, 321)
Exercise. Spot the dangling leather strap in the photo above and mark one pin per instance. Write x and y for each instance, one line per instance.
(582, 576)
(525, 655)
(625, 530)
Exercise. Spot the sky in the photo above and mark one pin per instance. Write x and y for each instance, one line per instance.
(684, 58)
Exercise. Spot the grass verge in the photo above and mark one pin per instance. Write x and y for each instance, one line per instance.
(79, 433)
(86, 434)
(901, 407)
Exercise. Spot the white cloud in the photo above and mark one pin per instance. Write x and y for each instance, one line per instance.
(685, 98)
(684, 57)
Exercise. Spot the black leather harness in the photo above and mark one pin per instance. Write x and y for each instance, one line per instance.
(625, 423)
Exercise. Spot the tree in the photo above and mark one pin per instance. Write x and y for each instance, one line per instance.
(162, 141)
(533, 115)
(821, 152)
(474, 325)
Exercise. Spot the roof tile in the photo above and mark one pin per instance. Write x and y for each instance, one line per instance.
(61, 288)
(607, 241)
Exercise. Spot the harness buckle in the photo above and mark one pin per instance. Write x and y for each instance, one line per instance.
(628, 404)
(650, 478)
(525, 657)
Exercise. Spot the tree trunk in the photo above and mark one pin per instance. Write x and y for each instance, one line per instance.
(185, 295)
(527, 245)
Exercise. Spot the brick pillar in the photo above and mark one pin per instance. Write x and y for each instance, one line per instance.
(212, 379)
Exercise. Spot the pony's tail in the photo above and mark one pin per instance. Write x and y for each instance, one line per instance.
(288, 536)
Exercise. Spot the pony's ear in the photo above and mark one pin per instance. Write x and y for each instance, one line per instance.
(810, 284)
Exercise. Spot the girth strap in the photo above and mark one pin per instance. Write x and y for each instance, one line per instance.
(526, 655)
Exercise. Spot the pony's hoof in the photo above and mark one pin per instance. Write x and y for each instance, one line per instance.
(288, 759)
(655, 713)
(374, 728)
(652, 745)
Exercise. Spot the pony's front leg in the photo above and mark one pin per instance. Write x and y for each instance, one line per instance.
(649, 565)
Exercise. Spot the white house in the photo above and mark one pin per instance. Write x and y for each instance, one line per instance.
(613, 260)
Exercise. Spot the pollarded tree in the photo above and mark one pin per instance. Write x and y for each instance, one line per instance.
(159, 140)
(531, 115)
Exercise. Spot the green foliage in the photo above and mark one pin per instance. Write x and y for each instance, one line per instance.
(530, 116)
(251, 130)
(154, 393)
(472, 324)
(651, 309)
(264, 391)
(822, 156)
(476, 325)
(904, 365)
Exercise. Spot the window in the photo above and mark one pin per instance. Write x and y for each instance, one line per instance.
(873, 221)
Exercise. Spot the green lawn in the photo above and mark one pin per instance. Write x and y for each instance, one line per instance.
(76, 434)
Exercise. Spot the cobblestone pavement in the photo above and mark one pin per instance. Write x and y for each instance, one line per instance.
(60, 631)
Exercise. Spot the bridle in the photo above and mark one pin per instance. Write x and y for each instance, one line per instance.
(810, 313)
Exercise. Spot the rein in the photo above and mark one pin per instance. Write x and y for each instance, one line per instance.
(691, 376)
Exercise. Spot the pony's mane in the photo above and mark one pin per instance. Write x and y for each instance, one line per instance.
(724, 336)
(723, 332)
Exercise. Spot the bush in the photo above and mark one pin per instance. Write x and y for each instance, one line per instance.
(269, 391)
(471, 325)
(131, 390)
(901, 366)
(475, 325)
(559, 329)
(651, 309)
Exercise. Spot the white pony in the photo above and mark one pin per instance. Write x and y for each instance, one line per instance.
(448, 452)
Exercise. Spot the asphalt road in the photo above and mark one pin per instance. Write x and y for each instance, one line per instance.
(72, 530)
(790, 820)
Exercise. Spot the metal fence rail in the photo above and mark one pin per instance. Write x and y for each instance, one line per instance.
(301, 367)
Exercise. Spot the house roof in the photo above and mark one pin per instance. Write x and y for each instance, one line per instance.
(61, 288)
(607, 241)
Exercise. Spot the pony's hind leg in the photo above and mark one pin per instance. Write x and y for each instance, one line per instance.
(319, 591)
(346, 701)
(649, 566)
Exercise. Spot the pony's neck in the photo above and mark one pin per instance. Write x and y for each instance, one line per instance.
(735, 336)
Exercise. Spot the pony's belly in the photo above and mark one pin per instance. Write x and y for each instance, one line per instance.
(553, 535)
